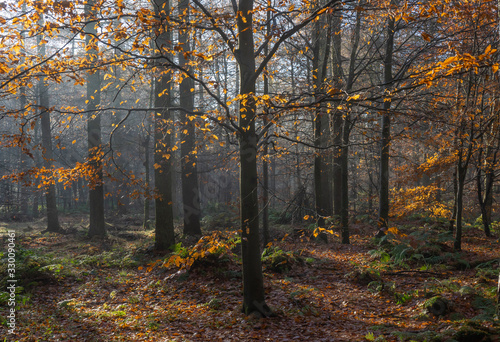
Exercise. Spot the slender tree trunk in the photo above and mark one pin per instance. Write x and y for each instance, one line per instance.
(498, 296)
(338, 126)
(35, 211)
(453, 218)
(189, 169)
(486, 200)
(164, 228)
(462, 165)
(265, 196)
(346, 122)
(147, 201)
(96, 188)
(265, 152)
(489, 177)
(24, 198)
(385, 141)
(47, 155)
(119, 141)
(147, 171)
(461, 172)
(253, 283)
(322, 165)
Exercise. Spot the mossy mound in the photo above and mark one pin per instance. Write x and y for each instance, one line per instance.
(277, 260)
(438, 306)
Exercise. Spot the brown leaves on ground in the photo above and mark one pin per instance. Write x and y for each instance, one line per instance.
(103, 299)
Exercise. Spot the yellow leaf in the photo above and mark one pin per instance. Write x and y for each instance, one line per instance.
(393, 230)
(73, 142)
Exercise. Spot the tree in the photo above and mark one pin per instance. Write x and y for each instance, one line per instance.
(253, 284)
(47, 155)
(96, 191)
(189, 169)
(322, 132)
(385, 140)
(164, 227)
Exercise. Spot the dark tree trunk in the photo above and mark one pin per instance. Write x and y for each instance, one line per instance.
(164, 228)
(147, 201)
(462, 165)
(24, 198)
(385, 141)
(147, 170)
(189, 169)
(486, 201)
(253, 283)
(461, 172)
(322, 133)
(265, 152)
(453, 218)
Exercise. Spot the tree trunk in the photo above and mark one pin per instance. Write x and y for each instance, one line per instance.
(322, 165)
(461, 172)
(489, 181)
(96, 188)
(486, 200)
(47, 155)
(24, 198)
(164, 228)
(147, 201)
(119, 141)
(453, 218)
(338, 126)
(253, 283)
(147, 171)
(189, 169)
(385, 141)
(265, 152)
(498, 296)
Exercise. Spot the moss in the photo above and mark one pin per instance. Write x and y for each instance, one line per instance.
(278, 260)
(438, 306)
(456, 316)
(469, 334)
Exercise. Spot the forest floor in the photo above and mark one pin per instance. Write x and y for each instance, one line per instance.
(71, 288)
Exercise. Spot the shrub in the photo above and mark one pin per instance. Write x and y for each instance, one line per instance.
(215, 245)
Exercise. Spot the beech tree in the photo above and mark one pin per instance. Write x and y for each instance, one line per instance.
(189, 169)
(47, 154)
(164, 227)
(95, 148)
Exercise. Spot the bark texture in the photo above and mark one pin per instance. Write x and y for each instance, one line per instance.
(189, 170)
(164, 227)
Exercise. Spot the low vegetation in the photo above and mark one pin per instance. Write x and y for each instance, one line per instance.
(408, 286)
